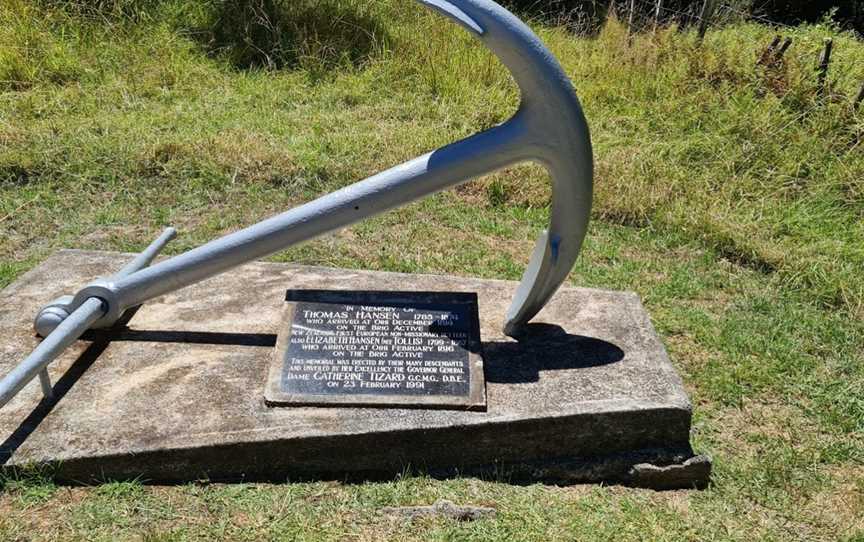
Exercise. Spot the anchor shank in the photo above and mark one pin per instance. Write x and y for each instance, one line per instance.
(448, 166)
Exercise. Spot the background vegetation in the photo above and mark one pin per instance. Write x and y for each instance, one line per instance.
(729, 196)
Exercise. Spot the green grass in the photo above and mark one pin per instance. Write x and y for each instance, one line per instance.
(729, 196)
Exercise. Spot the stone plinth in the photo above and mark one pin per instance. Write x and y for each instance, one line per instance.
(587, 394)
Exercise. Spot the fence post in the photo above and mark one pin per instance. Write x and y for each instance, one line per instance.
(783, 48)
(630, 22)
(860, 97)
(768, 51)
(824, 62)
(705, 17)
(657, 9)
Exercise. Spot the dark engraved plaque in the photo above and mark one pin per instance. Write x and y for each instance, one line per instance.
(391, 350)
(407, 349)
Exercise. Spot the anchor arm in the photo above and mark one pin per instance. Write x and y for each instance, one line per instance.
(557, 135)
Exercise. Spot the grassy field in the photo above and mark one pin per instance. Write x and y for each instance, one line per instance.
(730, 196)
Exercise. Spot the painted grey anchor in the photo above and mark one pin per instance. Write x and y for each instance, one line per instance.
(549, 127)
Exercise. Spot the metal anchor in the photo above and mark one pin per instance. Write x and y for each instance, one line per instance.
(548, 128)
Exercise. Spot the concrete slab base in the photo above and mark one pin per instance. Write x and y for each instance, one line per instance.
(587, 394)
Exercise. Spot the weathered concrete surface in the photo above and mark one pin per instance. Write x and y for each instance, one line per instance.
(178, 395)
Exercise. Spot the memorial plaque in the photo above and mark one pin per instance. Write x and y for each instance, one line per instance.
(365, 348)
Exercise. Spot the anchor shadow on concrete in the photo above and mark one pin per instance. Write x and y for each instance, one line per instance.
(544, 347)
(46, 405)
(185, 337)
(100, 340)
(61, 387)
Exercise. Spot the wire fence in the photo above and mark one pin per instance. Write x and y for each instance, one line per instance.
(649, 14)
(771, 57)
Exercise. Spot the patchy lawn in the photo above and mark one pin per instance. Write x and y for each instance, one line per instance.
(729, 196)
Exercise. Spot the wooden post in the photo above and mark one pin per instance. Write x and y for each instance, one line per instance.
(630, 22)
(783, 49)
(657, 9)
(824, 62)
(705, 18)
(766, 54)
(860, 97)
(774, 43)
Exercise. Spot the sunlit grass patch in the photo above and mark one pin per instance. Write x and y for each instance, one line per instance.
(728, 196)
